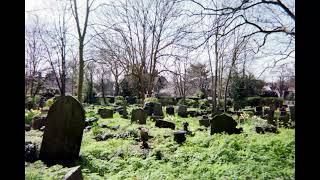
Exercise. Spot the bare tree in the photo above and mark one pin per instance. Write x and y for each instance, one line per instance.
(81, 35)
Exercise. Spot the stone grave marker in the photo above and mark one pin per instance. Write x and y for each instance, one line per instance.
(258, 111)
(105, 113)
(157, 109)
(204, 121)
(74, 174)
(165, 124)
(224, 123)
(38, 122)
(148, 107)
(179, 136)
(292, 113)
(170, 110)
(182, 111)
(63, 133)
(138, 115)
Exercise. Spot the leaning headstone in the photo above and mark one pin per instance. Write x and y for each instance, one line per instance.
(292, 113)
(179, 136)
(224, 123)
(157, 109)
(182, 111)
(105, 113)
(138, 115)
(63, 133)
(170, 110)
(38, 122)
(164, 124)
(204, 121)
(74, 174)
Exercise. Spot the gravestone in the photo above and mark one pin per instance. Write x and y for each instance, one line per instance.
(224, 123)
(90, 121)
(30, 152)
(148, 107)
(105, 113)
(204, 121)
(179, 136)
(258, 111)
(192, 113)
(182, 111)
(38, 122)
(292, 113)
(164, 124)
(27, 127)
(138, 115)
(170, 110)
(74, 174)
(157, 109)
(63, 133)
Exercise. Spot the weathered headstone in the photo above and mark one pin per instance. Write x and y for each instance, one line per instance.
(74, 174)
(38, 122)
(224, 123)
(182, 111)
(179, 136)
(258, 111)
(63, 133)
(192, 113)
(138, 115)
(204, 121)
(27, 127)
(165, 124)
(170, 110)
(157, 109)
(90, 121)
(148, 107)
(292, 113)
(105, 113)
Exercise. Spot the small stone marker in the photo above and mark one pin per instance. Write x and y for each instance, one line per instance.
(30, 152)
(204, 121)
(157, 109)
(138, 115)
(179, 136)
(192, 113)
(148, 107)
(27, 127)
(170, 110)
(224, 123)
(105, 113)
(182, 111)
(90, 121)
(74, 174)
(38, 122)
(292, 113)
(165, 124)
(258, 111)
(63, 133)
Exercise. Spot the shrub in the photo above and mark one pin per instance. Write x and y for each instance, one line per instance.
(49, 102)
(29, 115)
(167, 100)
(188, 102)
(151, 99)
(267, 101)
(254, 101)
(118, 98)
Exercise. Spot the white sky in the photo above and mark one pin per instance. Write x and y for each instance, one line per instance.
(256, 67)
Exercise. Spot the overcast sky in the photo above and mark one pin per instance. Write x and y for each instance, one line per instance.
(41, 7)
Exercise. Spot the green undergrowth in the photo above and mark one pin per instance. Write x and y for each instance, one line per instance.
(243, 156)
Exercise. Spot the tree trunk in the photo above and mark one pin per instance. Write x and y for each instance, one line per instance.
(102, 90)
(81, 67)
(214, 104)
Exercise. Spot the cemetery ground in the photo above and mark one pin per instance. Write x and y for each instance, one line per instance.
(247, 155)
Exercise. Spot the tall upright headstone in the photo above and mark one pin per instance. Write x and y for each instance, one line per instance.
(63, 133)
(138, 115)
(182, 111)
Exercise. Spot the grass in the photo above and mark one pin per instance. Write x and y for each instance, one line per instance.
(244, 156)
